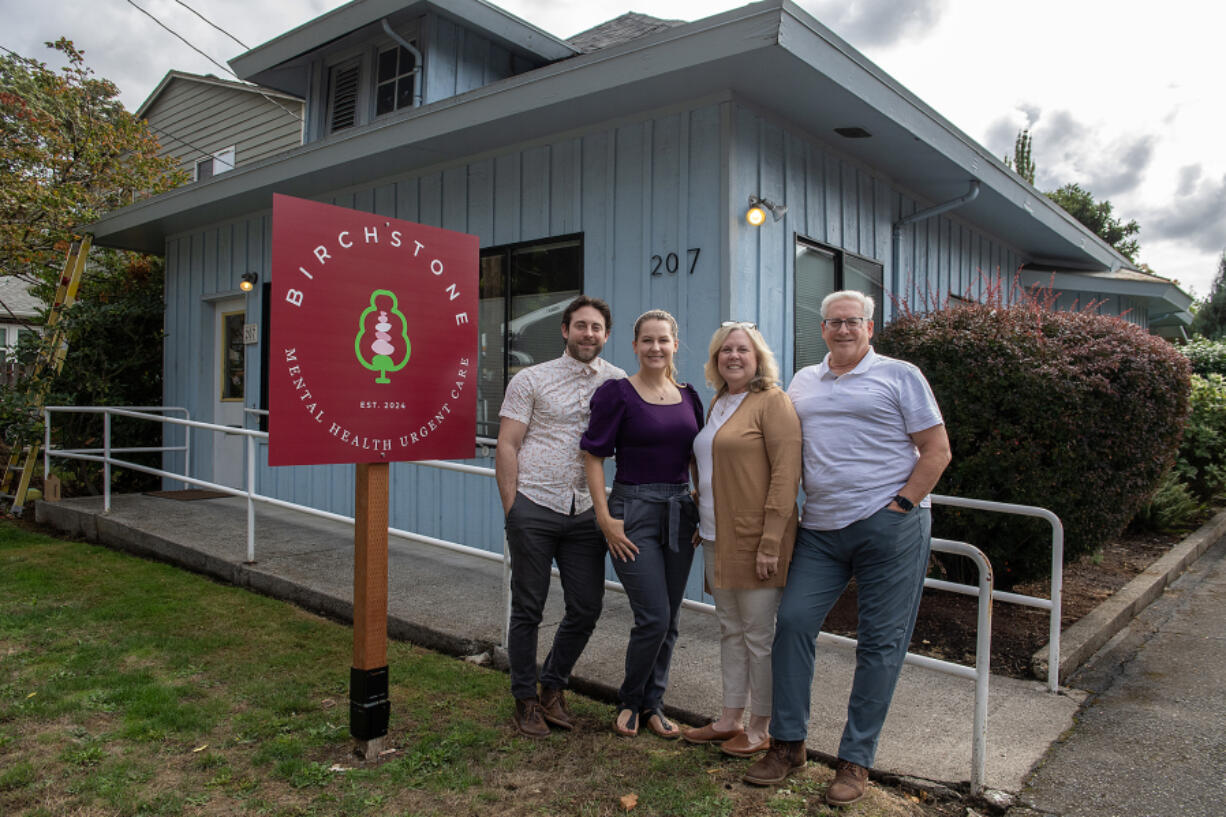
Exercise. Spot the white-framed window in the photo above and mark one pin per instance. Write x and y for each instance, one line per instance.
(395, 67)
(219, 162)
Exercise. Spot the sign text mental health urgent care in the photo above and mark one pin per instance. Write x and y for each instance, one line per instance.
(374, 338)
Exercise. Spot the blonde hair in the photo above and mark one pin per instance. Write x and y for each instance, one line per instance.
(660, 315)
(766, 375)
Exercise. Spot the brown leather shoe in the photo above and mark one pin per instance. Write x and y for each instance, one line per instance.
(782, 759)
(553, 707)
(742, 746)
(529, 720)
(709, 734)
(849, 783)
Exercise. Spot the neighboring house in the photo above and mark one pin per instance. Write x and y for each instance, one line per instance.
(621, 164)
(19, 313)
(213, 125)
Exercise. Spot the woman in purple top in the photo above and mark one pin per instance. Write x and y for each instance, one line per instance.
(648, 421)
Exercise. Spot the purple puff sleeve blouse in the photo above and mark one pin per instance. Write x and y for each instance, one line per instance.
(652, 443)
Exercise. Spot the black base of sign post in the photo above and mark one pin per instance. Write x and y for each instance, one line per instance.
(368, 704)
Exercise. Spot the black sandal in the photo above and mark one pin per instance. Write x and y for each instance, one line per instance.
(631, 727)
(660, 725)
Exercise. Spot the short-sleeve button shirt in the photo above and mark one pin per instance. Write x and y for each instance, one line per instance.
(857, 429)
(554, 400)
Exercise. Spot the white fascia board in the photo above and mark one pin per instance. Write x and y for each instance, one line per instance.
(827, 53)
(360, 13)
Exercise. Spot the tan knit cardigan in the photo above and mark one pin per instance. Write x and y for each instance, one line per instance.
(756, 468)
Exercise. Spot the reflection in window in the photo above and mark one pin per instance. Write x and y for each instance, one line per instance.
(524, 290)
(819, 271)
(233, 356)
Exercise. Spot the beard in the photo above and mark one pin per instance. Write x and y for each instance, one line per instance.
(583, 354)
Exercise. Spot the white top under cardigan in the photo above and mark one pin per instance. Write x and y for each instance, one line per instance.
(722, 409)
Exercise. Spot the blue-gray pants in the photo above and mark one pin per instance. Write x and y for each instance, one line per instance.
(654, 581)
(536, 537)
(887, 553)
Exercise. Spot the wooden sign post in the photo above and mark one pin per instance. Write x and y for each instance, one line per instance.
(369, 708)
(372, 361)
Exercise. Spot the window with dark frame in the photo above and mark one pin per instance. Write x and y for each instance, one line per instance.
(820, 270)
(524, 291)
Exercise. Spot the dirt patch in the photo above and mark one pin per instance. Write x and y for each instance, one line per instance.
(946, 625)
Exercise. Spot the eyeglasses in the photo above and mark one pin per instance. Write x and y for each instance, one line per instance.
(739, 324)
(838, 323)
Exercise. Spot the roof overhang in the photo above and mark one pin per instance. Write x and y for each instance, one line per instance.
(260, 64)
(1169, 307)
(771, 54)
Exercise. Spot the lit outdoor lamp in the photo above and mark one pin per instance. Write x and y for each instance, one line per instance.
(755, 216)
(247, 283)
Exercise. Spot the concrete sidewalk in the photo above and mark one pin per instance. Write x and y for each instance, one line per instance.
(454, 603)
(1151, 742)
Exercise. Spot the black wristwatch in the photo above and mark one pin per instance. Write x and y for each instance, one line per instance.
(904, 503)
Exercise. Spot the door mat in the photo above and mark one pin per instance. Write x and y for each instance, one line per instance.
(190, 494)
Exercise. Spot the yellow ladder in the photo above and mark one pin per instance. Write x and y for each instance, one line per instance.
(52, 358)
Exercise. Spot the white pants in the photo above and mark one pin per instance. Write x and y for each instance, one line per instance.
(746, 630)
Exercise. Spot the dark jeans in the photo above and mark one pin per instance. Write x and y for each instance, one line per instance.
(536, 537)
(887, 553)
(655, 584)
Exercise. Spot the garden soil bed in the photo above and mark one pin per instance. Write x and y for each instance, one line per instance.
(946, 624)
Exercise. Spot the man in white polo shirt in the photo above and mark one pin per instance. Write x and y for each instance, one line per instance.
(874, 447)
(549, 515)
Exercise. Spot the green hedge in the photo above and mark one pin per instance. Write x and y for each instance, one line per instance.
(1201, 464)
(1071, 411)
(1207, 356)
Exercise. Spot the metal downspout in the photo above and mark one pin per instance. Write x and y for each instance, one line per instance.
(412, 49)
(921, 215)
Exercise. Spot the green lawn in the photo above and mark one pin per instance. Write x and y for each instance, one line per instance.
(129, 687)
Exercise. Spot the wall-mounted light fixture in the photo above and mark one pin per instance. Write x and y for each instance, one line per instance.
(759, 207)
(248, 281)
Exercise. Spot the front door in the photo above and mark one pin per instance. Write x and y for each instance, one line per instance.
(229, 391)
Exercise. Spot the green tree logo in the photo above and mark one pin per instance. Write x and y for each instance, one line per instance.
(383, 352)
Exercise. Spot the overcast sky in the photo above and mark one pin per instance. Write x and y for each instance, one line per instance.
(1119, 95)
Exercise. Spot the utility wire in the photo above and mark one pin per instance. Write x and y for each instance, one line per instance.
(207, 57)
(214, 25)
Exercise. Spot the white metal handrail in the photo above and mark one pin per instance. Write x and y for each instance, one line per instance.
(1053, 604)
(983, 591)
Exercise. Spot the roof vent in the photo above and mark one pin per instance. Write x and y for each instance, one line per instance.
(853, 133)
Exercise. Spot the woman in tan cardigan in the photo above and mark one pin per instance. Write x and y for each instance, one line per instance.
(749, 467)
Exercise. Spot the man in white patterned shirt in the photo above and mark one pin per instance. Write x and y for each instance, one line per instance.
(549, 514)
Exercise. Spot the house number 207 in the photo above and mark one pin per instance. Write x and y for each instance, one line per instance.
(670, 263)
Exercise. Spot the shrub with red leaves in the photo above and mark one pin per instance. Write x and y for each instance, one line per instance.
(1072, 411)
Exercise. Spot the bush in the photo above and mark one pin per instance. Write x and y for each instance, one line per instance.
(1071, 411)
(1172, 508)
(1207, 356)
(1201, 463)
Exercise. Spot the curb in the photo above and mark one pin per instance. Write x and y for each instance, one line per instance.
(1085, 637)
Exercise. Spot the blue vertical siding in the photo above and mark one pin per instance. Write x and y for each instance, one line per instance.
(667, 184)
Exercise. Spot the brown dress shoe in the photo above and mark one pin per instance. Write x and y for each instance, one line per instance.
(742, 746)
(553, 707)
(529, 720)
(782, 759)
(849, 783)
(709, 734)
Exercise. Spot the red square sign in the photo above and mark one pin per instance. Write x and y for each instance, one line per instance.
(374, 338)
